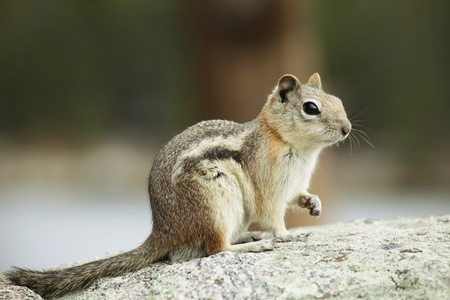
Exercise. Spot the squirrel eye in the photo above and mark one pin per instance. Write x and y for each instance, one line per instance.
(311, 108)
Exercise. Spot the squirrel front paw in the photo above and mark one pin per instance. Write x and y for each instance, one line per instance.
(311, 202)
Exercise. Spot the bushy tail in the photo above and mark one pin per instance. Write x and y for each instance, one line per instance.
(57, 282)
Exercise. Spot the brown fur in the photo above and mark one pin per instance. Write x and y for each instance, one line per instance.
(272, 135)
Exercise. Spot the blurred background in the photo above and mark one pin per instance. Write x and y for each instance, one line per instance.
(91, 90)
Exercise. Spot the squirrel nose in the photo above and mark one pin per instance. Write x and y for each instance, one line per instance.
(345, 130)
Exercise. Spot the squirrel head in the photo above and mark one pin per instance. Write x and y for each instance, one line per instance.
(304, 115)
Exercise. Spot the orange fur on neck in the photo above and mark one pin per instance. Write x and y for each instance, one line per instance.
(272, 134)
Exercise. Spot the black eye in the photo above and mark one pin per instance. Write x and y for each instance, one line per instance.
(311, 108)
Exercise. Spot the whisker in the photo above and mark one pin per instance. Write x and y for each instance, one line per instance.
(355, 121)
(351, 145)
(364, 138)
(359, 114)
(356, 140)
(357, 125)
(359, 131)
(362, 133)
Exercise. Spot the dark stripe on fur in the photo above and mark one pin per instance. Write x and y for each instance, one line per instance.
(223, 153)
(216, 153)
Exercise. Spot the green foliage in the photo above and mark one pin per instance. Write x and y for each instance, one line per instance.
(82, 67)
(392, 58)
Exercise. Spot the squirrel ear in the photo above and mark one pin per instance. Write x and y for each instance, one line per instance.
(287, 83)
(315, 80)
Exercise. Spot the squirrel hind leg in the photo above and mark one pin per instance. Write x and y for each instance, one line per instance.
(188, 253)
(258, 246)
(213, 247)
(252, 236)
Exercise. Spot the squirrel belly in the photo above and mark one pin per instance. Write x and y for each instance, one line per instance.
(212, 180)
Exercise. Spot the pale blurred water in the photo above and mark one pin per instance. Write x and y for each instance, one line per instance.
(381, 204)
(40, 229)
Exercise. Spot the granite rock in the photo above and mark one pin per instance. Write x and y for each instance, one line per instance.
(403, 258)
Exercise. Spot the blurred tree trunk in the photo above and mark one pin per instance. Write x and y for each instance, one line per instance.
(243, 48)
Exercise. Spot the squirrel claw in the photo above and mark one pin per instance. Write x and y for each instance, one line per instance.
(311, 202)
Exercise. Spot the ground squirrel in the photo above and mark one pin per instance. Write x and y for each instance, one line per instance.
(212, 180)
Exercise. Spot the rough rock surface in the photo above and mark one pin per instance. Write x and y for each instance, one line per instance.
(369, 259)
